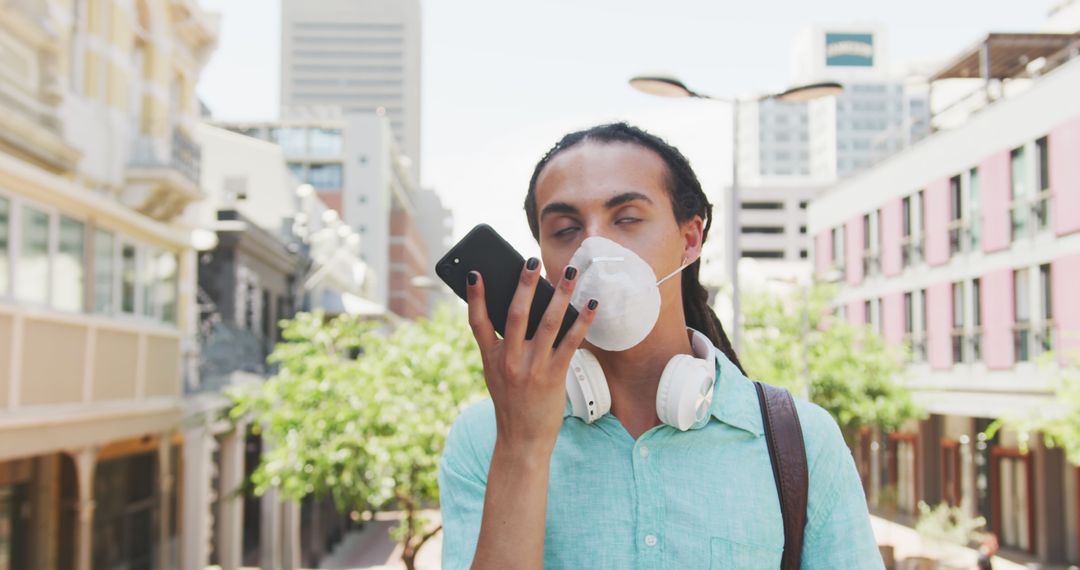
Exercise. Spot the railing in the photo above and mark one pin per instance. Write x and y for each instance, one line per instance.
(1044, 336)
(918, 346)
(975, 343)
(958, 231)
(958, 345)
(184, 155)
(1022, 341)
(1030, 215)
(911, 251)
(871, 263)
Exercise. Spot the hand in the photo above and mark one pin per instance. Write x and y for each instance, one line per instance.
(527, 378)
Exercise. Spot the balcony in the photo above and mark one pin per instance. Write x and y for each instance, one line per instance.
(1045, 336)
(918, 346)
(975, 344)
(1030, 215)
(162, 179)
(30, 93)
(960, 237)
(911, 251)
(958, 341)
(1022, 341)
(871, 263)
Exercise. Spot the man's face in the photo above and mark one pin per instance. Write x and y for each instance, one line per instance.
(617, 191)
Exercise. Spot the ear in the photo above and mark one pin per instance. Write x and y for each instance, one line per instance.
(692, 232)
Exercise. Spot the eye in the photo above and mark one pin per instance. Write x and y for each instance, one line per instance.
(565, 231)
(627, 220)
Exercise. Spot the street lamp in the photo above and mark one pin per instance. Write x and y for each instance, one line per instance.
(670, 87)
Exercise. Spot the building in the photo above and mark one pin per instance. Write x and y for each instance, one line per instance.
(966, 247)
(788, 150)
(354, 163)
(356, 56)
(276, 252)
(97, 279)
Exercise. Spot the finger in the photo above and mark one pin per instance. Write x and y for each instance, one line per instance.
(576, 335)
(556, 309)
(517, 316)
(478, 314)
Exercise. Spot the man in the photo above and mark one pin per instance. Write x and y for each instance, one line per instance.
(529, 480)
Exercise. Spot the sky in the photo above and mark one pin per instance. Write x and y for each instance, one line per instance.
(503, 80)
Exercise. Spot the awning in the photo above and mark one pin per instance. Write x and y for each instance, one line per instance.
(1007, 55)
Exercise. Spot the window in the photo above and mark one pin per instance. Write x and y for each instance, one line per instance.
(32, 285)
(127, 278)
(765, 254)
(298, 170)
(1019, 189)
(293, 141)
(1040, 206)
(1046, 331)
(325, 176)
(1043, 151)
(803, 254)
(958, 308)
(1021, 315)
(956, 217)
(763, 205)
(325, 143)
(976, 319)
(104, 271)
(906, 224)
(868, 312)
(974, 218)
(5, 245)
(762, 229)
(69, 271)
(165, 283)
(909, 313)
(802, 205)
(802, 230)
(838, 248)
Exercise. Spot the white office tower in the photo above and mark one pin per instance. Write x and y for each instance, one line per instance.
(356, 55)
(880, 112)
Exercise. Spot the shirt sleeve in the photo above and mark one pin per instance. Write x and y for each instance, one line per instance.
(462, 485)
(838, 531)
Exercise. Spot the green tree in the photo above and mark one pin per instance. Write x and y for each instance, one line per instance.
(853, 374)
(1059, 422)
(363, 416)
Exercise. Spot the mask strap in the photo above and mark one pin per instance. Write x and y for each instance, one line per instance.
(673, 273)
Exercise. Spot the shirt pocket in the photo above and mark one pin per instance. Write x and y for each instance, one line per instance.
(726, 554)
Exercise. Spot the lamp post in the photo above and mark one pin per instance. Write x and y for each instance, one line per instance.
(671, 87)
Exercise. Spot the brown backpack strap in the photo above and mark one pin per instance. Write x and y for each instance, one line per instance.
(783, 432)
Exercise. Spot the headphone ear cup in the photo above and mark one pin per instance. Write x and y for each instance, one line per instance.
(586, 387)
(684, 395)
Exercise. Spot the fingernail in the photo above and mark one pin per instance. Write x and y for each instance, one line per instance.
(593, 304)
(532, 264)
(471, 278)
(571, 273)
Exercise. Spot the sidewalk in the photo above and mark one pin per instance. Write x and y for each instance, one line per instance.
(909, 544)
(373, 549)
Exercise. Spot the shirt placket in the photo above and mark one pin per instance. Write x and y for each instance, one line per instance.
(648, 534)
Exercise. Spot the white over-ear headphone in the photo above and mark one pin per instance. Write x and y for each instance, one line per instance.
(683, 397)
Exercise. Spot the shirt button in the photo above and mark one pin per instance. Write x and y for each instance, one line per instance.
(644, 451)
(650, 540)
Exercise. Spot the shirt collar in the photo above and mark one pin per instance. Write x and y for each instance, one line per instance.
(735, 400)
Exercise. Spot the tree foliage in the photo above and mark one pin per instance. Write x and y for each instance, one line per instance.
(853, 374)
(1058, 423)
(362, 416)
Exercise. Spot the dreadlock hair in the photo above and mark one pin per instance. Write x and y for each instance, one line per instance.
(687, 200)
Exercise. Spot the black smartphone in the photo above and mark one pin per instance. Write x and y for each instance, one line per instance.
(483, 250)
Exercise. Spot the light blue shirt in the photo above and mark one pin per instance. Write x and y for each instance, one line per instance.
(703, 498)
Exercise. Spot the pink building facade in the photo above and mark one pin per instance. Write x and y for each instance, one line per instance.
(974, 263)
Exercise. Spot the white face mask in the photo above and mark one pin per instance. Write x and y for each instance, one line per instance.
(626, 287)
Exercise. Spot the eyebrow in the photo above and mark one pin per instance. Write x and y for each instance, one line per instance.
(613, 202)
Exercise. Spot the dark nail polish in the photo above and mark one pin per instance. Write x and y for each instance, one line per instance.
(592, 304)
(471, 278)
(571, 273)
(532, 264)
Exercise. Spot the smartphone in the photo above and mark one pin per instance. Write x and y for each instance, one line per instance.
(483, 250)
